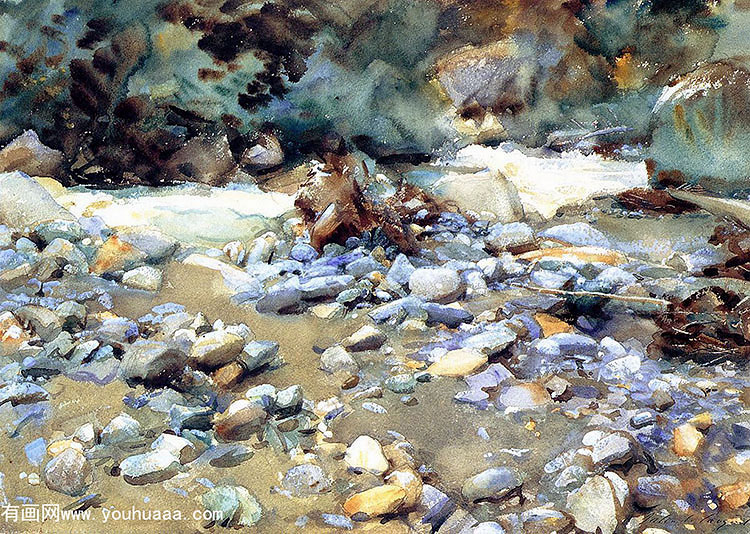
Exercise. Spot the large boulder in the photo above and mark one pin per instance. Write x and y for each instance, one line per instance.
(264, 155)
(25, 204)
(498, 197)
(701, 128)
(27, 154)
(204, 159)
(524, 85)
(499, 76)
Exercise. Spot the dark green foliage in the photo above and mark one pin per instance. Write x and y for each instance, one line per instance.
(120, 86)
(671, 36)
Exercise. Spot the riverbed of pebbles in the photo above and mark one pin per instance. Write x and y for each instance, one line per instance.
(543, 329)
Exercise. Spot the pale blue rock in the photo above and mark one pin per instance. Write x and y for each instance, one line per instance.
(336, 359)
(25, 245)
(438, 284)
(325, 286)
(364, 266)
(438, 505)
(578, 234)
(476, 286)
(493, 376)
(608, 281)
(303, 252)
(366, 338)
(45, 323)
(338, 521)
(488, 527)
(261, 249)
(36, 451)
(613, 449)
(642, 420)
(256, 354)
(145, 278)
(475, 397)
(571, 343)
(63, 250)
(185, 450)
(611, 349)
(705, 257)
(500, 268)
(623, 369)
(317, 269)
(156, 245)
(289, 400)
(398, 310)
(511, 236)
(234, 504)
(741, 435)
(152, 363)
(616, 277)
(263, 272)
(491, 483)
(149, 468)
(447, 315)
(67, 230)
(190, 417)
(400, 270)
(652, 491)
(24, 203)
(72, 313)
(493, 340)
(402, 383)
(282, 295)
(549, 279)
(305, 480)
(6, 237)
(121, 429)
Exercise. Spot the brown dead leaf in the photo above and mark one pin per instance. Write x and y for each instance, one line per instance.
(552, 325)
(334, 207)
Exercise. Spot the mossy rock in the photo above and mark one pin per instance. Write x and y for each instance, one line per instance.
(701, 129)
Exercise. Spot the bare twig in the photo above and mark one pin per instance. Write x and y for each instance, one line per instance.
(621, 298)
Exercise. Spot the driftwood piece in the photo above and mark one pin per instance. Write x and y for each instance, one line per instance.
(657, 201)
(739, 210)
(581, 254)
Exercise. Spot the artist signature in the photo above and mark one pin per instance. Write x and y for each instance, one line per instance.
(716, 522)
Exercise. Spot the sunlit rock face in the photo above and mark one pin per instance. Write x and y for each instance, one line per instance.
(528, 81)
